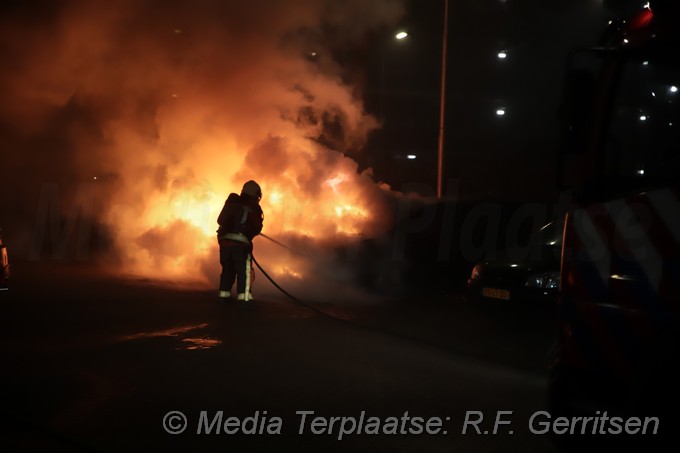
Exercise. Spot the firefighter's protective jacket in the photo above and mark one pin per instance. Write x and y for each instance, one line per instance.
(240, 220)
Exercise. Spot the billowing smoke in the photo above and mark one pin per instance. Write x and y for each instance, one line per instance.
(157, 110)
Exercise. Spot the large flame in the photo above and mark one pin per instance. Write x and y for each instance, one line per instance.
(174, 229)
(170, 106)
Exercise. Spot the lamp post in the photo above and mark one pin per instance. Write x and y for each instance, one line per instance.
(440, 153)
(399, 36)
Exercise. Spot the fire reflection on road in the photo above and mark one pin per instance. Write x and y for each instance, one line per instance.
(200, 343)
(189, 343)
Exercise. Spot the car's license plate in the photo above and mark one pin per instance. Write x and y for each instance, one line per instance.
(496, 293)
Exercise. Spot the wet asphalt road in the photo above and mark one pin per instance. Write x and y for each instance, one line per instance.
(95, 363)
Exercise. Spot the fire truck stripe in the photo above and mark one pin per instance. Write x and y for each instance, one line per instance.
(664, 201)
(592, 338)
(638, 242)
(593, 244)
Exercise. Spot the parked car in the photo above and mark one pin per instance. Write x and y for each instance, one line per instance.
(534, 278)
(4, 265)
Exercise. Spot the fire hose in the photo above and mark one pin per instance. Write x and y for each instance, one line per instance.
(277, 286)
(283, 245)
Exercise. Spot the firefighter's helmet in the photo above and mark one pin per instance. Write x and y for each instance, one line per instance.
(252, 189)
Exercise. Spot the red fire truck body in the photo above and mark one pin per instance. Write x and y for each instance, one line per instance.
(619, 308)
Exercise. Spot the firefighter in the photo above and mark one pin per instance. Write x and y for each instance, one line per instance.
(239, 222)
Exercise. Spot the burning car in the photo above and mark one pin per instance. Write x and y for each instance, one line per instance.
(534, 278)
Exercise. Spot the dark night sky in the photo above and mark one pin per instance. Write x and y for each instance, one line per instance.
(494, 157)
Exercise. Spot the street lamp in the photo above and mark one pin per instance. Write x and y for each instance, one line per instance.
(399, 36)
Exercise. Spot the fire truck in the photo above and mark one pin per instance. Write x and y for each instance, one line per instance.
(618, 348)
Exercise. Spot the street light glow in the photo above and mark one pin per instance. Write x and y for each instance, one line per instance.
(500, 112)
(401, 35)
(411, 156)
(502, 55)
(674, 89)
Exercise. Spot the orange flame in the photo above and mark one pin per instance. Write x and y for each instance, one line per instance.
(170, 233)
